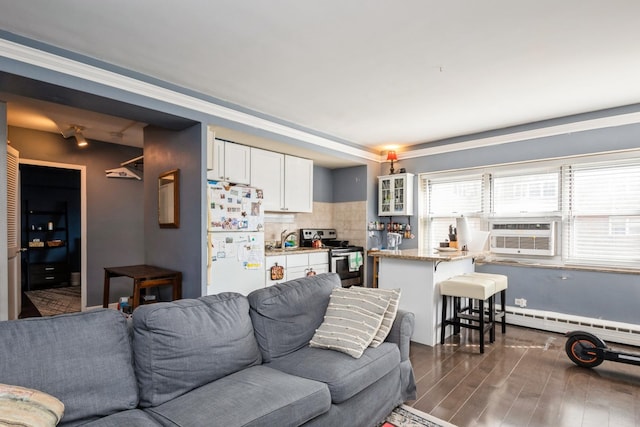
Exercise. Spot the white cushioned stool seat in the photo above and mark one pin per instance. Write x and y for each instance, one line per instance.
(501, 283)
(474, 288)
(468, 287)
(500, 280)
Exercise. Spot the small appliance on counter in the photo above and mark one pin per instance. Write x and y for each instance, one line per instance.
(393, 241)
(345, 259)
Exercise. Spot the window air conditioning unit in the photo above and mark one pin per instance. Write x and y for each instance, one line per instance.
(523, 238)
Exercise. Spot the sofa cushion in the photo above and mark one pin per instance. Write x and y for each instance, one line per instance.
(285, 316)
(256, 396)
(83, 359)
(344, 375)
(182, 345)
(131, 418)
(351, 321)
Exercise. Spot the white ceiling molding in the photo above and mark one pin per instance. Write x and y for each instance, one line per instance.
(600, 123)
(73, 68)
(46, 60)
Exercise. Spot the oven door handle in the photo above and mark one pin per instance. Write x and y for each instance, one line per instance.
(339, 256)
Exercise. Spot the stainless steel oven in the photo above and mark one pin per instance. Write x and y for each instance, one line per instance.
(342, 262)
(344, 259)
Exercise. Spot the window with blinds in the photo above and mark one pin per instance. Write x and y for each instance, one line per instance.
(594, 202)
(603, 221)
(448, 199)
(535, 193)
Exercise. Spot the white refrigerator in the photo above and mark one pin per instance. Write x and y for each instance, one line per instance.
(235, 239)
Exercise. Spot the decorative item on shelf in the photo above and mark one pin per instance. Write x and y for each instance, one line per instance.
(392, 156)
(35, 243)
(55, 243)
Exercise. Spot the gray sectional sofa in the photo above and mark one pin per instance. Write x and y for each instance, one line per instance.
(220, 360)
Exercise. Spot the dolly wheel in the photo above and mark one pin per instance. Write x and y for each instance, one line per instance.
(578, 349)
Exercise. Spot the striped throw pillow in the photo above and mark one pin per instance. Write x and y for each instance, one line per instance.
(389, 314)
(351, 321)
(20, 406)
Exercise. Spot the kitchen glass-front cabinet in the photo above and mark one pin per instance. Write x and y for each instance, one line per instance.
(395, 194)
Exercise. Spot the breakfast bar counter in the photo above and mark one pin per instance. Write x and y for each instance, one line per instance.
(417, 274)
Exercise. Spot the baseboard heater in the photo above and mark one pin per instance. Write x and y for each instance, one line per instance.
(609, 331)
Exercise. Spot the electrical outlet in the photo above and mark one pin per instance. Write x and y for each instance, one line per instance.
(521, 302)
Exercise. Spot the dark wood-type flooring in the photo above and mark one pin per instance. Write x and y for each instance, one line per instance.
(523, 379)
(28, 309)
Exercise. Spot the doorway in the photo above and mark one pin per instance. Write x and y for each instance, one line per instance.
(52, 233)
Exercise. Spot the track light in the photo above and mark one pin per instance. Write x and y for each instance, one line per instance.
(82, 141)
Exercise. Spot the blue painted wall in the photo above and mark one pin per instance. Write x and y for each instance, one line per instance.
(350, 184)
(176, 248)
(322, 185)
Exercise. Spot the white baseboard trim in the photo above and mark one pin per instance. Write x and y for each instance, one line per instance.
(607, 330)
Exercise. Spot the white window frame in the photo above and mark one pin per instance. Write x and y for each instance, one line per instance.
(561, 217)
(427, 239)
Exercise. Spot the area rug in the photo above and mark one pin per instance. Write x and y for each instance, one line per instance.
(406, 416)
(50, 302)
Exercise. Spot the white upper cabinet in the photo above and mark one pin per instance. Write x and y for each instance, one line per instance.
(237, 163)
(286, 181)
(395, 194)
(267, 174)
(228, 161)
(298, 184)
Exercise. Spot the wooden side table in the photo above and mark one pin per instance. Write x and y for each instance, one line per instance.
(374, 283)
(144, 276)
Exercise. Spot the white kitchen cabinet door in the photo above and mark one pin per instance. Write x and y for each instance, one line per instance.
(215, 158)
(297, 266)
(237, 163)
(227, 161)
(298, 184)
(319, 262)
(267, 174)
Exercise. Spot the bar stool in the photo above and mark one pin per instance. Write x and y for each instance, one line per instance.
(501, 285)
(476, 289)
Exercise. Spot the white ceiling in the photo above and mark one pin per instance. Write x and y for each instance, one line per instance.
(372, 72)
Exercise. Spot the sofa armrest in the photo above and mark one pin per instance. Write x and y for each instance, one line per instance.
(401, 332)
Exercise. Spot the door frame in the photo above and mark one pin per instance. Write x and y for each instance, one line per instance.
(83, 217)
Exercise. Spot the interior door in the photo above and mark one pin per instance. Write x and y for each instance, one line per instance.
(13, 235)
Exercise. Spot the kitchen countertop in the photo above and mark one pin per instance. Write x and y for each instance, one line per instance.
(422, 255)
(293, 251)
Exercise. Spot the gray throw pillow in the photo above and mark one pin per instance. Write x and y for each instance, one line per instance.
(351, 321)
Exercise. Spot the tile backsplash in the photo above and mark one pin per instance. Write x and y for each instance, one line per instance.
(348, 218)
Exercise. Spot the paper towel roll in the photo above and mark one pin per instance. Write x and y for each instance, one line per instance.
(464, 235)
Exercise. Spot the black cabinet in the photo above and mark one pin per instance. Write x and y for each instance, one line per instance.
(46, 238)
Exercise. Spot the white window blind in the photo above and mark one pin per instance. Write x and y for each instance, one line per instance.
(537, 193)
(604, 215)
(448, 199)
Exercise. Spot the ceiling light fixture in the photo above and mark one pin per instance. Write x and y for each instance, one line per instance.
(80, 139)
(391, 155)
(75, 131)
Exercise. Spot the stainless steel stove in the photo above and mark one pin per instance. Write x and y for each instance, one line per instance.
(345, 259)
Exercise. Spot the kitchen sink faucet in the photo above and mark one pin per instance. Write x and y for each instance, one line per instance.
(284, 237)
